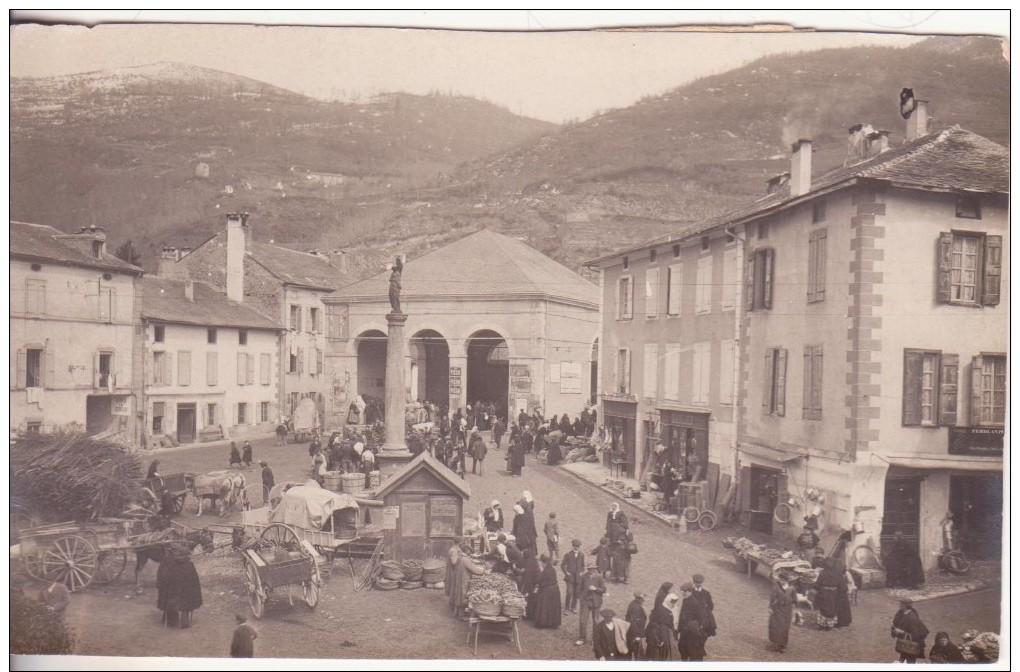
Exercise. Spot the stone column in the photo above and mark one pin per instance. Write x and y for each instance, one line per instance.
(394, 453)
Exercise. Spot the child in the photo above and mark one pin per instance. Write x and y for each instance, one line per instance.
(243, 644)
(603, 557)
(552, 536)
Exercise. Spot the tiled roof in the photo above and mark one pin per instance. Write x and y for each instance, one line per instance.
(164, 300)
(484, 263)
(425, 460)
(951, 160)
(36, 241)
(297, 268)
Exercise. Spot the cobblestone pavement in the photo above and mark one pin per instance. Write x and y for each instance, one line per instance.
(665, 555)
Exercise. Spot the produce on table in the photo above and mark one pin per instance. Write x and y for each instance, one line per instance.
(980, 647)
(493, 589)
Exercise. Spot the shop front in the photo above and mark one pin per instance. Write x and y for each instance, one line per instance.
(685, 437)
(621, 424)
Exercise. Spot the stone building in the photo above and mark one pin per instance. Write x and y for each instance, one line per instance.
(489, 319)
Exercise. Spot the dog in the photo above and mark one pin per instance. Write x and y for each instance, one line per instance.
(805, 599)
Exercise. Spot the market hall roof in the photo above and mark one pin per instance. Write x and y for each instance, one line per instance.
(951, 160)
(165, 300)
(483, 264)
(38, 242)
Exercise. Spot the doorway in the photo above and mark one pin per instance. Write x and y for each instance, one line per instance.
(186, 421)
(488, 369)
(902, 511)
(977, 504)
(372, 364)
(431, 354)
(98, 413)
(764, 498)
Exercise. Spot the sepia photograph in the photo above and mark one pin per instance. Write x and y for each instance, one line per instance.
(314, 327)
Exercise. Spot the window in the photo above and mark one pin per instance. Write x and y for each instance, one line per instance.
(292, 363)
(336, 321)
(652, 293)
(763, 230)
(702, 373)
(318, 361)
(242, 413)
(703, 287)
(264, 411)
(294, 398)
(729, 280)
(968, 207)
(676, 251)
(104, 369)
(818, 211)
(34, 367)
(671, 384)
(623, 371)
(159, 334)
(706, 244)
(726, 363)
(651, 256)
(625, 299)
(759, 279)
(210, 336)
(212, 371)
(970, 268)
(245, 368)
(813, 382)
(626, 263)
(774, 394)
(988, 392)
(930, 383)
(35, 297)
(816, 266)
(33, 427)
(313, 315)
(295, 318)
(265, 368)
(106, 304)
(242, 337)
(211, 413)
(183, 367)
(674, 288)
(157, 416)
(650, 380)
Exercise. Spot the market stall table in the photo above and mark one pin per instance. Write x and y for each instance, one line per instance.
(495, 624)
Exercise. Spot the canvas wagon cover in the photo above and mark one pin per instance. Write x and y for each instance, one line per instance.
(309, 506)
(305, 416)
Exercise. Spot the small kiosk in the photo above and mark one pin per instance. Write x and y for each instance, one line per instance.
(423, 509)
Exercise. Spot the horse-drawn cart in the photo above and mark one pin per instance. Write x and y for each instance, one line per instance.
(177, 484)
(280, 559)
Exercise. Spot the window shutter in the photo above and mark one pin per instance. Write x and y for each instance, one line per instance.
(95, 369)
(816, 383)
(808, 377)
(265, 365)
(820, 265)
(977, 365)
(652, 292)
(22, 366)
(150, 377)
(675, 273)
(242, 365)
(913, 368)
(211, 368)
(781, 382)
(300, 360)
(630, 298)
(318, 360)
(619, 303)
(168, 368)
(948, 387)
(250, 366)
(766, 397)
(184, 367)
(749, 281)
(650, 382)
(945, 268)
(767, 290)
(726, 362)
(993, 270)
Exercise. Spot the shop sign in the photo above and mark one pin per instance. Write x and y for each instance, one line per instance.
(120, 406)
(976, 441)
(570, 377)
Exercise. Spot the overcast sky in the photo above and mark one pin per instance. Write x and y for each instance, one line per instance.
(552, 76)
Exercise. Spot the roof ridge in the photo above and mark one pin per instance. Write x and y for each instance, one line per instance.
(922, 148)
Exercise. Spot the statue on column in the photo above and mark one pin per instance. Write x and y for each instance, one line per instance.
(398, 268)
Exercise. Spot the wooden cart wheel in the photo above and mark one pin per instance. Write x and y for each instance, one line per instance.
(178, 505)
(71, 560)
(707, 520)
(691, 514)
(111, 566)
(256, 594)
(311, 588)
(33, 564)
(281, 534)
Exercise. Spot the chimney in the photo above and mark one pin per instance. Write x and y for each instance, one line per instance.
(339, 260)
(878, 142)
(776, 183)
(237, 234)
(189, 290)
(800, 168)
(917, 124)
(90, 241)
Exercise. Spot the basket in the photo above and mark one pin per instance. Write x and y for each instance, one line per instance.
(333, 481)
(412, 574)
(392, 571)
(429, 576)
(433, 565)
(353, 484)
(385, 584)
(485, 608)
(513, 611)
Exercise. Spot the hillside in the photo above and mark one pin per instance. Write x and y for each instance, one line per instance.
(121, 148)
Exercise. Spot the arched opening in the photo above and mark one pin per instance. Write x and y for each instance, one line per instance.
(430, 356)
(372, 364)
(488, 369)
(593, 391)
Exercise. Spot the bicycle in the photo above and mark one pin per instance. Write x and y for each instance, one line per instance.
(953, 561)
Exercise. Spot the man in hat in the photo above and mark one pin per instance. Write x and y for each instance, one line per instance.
(494, 517)
(268, 480)
(573, 571)
(593, 587)
(705, 598)
(610, 637)
(638, 620)
(907, 625)
(691, 628)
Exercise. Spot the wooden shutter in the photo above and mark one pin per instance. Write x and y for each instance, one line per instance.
(211, 368)
(675, 289)
(652, 292)
(300, 360)
(318, 361)
(22, 368)
(250, 369)
(726, 362)
(242, 365)
(812, 261)
(943, 292)
(266, 364)
(749, 280)
(822, 244)
(650, 382)
(95, 369)
(769, 389)
(806, 409)
(150, 377)
(630, 298)
(766, 296)
(184, 367)
(913, 370)
(781, 381)
(977, 365)
(993, 270)
(619, 295)
(948, 387)
(168, 368)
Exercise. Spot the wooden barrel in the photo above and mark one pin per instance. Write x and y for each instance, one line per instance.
(353, 484)
(333, 481)
(373, 479)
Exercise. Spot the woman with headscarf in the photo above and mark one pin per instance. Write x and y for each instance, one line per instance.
(638, 620)
(547, 605)
(494, 517)
(180, 591)
(515, 453)
(691, 635)
(844, 614)
(780, 613)
(661, 630)
(944, 651)
(524, 533)
(460, 569)
(907, 625)
(153, 470)
(827, 585)
(529, 581)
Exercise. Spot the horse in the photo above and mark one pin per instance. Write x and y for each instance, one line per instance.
(221, 489)
(157, 542)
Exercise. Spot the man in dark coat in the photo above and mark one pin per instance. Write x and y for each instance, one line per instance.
(593, 587)
(478, 451)
(638, 619)
(907, 624)
(268, 480)
(243, 643)
(705, 598)
(691, 636)
(903, 565)
(498, 429)
(609, 637)
(181, 588)
(573, 571)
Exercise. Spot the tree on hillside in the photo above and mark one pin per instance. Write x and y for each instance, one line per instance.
(128, 253)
